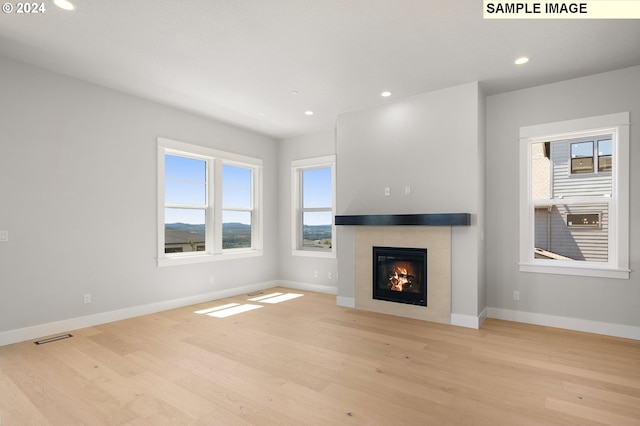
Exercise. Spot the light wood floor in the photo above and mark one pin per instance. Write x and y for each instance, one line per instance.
(307, 361)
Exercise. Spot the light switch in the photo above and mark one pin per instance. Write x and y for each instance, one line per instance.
(4, 236)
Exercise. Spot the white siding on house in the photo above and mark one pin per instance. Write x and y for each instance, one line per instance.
(566, 184)
(579, 243)
(552, 229)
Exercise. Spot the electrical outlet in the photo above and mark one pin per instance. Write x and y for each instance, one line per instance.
(87, 298)
(407, 190)
(316, 274)
(516, 295)
(4, 236)
(330, 275)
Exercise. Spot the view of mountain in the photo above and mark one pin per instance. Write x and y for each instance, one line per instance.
(236, 235)
(316, 232)
(198, 229)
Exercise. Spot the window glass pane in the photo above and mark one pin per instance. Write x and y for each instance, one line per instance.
(187, 193)
(582, 165)
(236, 187)
(591, 220)
(582, 157)
(604, 155)
(604, 147)
(559, 237)
(582, 149)
(236, 229)
(185, 181)
(184, 230)
(604, 164)
(316, 229)
(316, 188)
(185, 168)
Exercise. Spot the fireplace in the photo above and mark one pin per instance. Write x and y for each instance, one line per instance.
(400, 275)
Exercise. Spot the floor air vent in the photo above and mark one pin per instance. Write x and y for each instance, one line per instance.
(53, 339)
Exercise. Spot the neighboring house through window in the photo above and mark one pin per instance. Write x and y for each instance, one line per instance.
(208, 203)
(591, 156)
(313, 201)
(575, 197)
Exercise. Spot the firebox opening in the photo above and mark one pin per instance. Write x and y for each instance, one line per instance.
(400, 275)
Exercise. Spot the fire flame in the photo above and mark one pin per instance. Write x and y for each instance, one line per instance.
(398, 279)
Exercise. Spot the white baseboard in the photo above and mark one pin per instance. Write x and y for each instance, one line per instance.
(347, 302)
(309, 287)
(469, 321)
(40, 330)
(588, 326)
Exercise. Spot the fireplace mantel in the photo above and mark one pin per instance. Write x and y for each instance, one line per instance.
(429, 219)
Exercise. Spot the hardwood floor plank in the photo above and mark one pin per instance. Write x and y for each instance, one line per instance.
(15, 407)
(621, 378)
(617, 402)
(306, 361)
(592, 414)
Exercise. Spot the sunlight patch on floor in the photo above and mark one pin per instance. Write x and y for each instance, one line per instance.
(281, 298)
(266, 296)
(229, 309)
(234, 310)
(216, 308)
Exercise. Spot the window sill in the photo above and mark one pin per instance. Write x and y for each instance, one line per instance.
(584, 271)
(314, 253)
(202, 258)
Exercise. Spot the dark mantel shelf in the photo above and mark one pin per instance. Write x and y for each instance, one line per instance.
(430, 219)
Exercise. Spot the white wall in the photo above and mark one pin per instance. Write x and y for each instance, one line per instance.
(432, 143)
(598, 300)
(78, 197)
(299, 271)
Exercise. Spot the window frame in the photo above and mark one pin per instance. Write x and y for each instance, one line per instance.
(573, 171)
(600, 157)
(297, 210)
(213, 213)
(598, 225)
(617, 265)
(206, 207)
(596, 158)
(251, 209)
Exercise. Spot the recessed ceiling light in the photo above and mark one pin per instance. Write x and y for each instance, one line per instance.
(295, 92)
(385, 94)
(521, 60)
(308, 112)
(64, 4)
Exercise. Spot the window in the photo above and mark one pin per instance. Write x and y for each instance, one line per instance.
(185, 203)
(584, 220)
(574, 197)
(313, 201)
(582, 157)
(586, 154)
(208, 204)
(237, 206)
(604, 155)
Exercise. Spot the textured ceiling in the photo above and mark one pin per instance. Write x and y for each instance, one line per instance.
(239, 60)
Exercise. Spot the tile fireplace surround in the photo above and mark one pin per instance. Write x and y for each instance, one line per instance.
(413, 231)
(437, 241)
